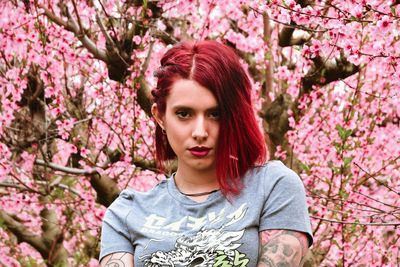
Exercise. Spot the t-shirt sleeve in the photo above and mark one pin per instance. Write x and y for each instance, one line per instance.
(285, 204)
(115, 236)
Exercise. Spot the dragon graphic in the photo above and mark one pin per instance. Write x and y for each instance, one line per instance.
(201, 249)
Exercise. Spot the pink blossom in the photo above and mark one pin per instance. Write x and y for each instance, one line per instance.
(280, 154)
(357, 11)
(49, 92)
(315, 48)
(29, 159)
(384, 25)
(7, 118)
(291, 4)
(306, 50)
(282, 73)
(84, 152)
(137, 39)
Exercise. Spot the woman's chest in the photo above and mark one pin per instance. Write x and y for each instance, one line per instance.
(225, 236)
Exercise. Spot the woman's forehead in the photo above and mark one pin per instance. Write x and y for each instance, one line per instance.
(189, 93)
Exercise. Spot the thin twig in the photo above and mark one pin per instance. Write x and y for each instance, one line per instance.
(69, 188)
(73, 27)
(65, 169)
(376, 180)
(22, 183)
(357, 223)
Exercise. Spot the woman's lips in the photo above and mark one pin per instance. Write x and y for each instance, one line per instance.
(199, 151)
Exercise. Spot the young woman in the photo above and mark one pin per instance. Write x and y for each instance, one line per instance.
(224, 206)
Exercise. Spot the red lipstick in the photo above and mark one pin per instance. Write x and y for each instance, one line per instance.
(199, 151)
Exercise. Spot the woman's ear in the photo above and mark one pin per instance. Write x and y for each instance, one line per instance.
(157, 116)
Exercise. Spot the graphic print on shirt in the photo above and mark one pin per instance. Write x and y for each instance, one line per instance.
(207, 247)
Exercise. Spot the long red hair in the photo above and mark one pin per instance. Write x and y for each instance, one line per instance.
(216, 67)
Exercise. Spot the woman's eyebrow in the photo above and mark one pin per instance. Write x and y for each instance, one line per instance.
(216, 108)
(183, 107)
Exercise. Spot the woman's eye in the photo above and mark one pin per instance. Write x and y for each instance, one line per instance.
(214, 114)
(182, 114)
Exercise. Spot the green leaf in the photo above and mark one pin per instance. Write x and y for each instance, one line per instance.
(343, 133)
(343, 195)
(347, 161)
(323, 72)
(370, 140)
(328, 37)
(338, 147)
(393, 9)
(335, 242)
(336, 170)
(349, 177)
(353, 227)
(2, 224)
(305, 166)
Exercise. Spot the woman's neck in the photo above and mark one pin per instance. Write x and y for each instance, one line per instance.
(192, 182)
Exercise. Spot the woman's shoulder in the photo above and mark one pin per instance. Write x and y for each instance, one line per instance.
(271, 168)
(273, 172)
(128, 197)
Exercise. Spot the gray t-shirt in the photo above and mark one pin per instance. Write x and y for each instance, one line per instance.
(165, 228)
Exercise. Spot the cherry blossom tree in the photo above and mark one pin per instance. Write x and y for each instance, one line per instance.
(76, 128)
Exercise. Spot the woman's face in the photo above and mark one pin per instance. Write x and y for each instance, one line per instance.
(191, 122)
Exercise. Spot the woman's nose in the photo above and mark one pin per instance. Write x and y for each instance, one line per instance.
(200, 129)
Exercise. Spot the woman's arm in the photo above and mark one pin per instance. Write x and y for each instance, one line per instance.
(282, 248)
(118, 259)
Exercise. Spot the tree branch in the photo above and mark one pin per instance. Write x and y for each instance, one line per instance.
(164, 36)
(24, 189)
(22, 232)
(105, 187)
(269, 77)
(285, 36)
(144, 95)
(331, 70)
(65, 169)
(52, 236)
(277, 118)
(73, 26)
(357, 223)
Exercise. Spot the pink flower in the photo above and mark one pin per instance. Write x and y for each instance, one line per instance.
(28, 161)
(19, 39)
(7, 118)
(137, 39)
(280, 154)
(49, 92)
(64, 135)
(384, 25)
(72, 148)
(84, 152)
(291, 4)
(357, 11)
(63, 47)
(3, 171)
(282, 73)
(306, 51)
(71, 55)
(69, 124)
(315, 48)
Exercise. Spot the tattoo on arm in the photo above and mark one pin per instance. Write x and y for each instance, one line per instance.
(282, 248)
(119, 259)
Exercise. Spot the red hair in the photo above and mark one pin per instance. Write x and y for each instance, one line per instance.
(215, 66)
